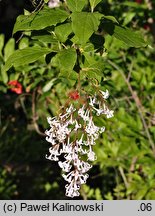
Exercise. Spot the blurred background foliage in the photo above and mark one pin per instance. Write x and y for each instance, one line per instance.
(125, 168)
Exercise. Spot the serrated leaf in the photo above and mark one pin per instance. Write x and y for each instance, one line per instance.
(25, 56)
(129, 37)
(69, 74)
(40, 20)
(126, 35)
(65, 60)
(75, 5)
(84, 24)
(93, 4)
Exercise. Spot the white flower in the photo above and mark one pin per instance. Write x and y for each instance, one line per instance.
(72, 135)
(105, 94)
(81, 111)
(86, 116)
(75, 178)
(69, 176)
(50, 136)
(69, 156)
(82, 166)
(82, 178)
(71, 120)
(91, 129)
(91, 155)
(53, 3)
(52, 157)
(102, 129)
(72, 189)
(81, 150)
(99, 111)
(93, 101)
(108, 113)
(53, 153)
(53, 121)
(65, 165)
(71, 109)
(65, 116)
(80, 142)
(77, 126)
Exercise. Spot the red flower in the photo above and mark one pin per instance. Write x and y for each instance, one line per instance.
(146, 27)
(74, 95)
(139, 1)
(15, 86)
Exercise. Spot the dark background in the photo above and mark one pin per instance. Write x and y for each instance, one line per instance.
(9, 10)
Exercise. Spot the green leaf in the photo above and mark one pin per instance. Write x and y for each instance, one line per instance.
(40, 20)
(141, 193)
(63, 31)
(111, 18)
(92, 68)
(75, 5)
(4, 75)
(25, 56)
(98, 194)
(128, 36)
(84, 24)
(23, 43)
(134, 4)
(128, 17)
(1, 43)
(45, 38)
(131, 38)
(65, 61)
(48, 85)
(93, 4)
(9, 48)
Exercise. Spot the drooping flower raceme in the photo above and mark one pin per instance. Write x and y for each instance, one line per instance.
(73, 134)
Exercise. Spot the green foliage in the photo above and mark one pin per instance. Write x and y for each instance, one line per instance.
(84, 24)
(40, 20)
(130, 38)
(25, 56)
(74, 5)
(7, 187)
(93, 4)
(57, 45)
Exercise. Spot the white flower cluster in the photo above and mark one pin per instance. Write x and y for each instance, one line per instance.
(72, 135)
(101, 107)
(53, 3)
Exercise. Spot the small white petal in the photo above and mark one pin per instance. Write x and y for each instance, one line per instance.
(105, 94)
